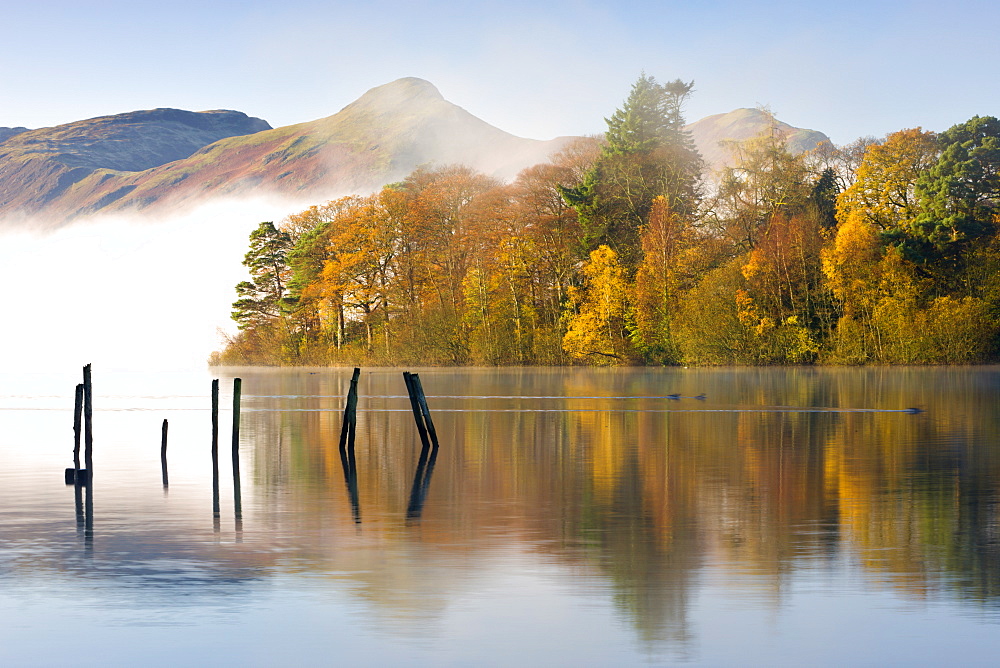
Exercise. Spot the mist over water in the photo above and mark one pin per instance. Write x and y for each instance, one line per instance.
(126, 292)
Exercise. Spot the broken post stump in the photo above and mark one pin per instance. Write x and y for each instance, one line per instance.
(350, 412)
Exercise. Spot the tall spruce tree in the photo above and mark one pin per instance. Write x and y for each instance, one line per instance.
(647, 154)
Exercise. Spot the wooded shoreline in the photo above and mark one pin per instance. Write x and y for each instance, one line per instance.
(623, 251)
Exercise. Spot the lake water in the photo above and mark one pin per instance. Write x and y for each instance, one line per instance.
(571, 517)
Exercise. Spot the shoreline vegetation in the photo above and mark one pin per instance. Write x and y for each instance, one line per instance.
(624, 250)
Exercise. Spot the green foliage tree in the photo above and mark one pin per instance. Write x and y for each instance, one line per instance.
(960, 194)
(261, 299)
(823, 199)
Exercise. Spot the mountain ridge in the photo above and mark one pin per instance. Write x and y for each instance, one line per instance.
(38, 166)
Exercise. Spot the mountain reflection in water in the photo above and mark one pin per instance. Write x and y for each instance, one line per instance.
(589, 488)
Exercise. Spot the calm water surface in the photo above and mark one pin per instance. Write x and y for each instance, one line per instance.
(570, 517)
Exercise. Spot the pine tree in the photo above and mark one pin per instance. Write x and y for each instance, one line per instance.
(261, 299)
(960, 195)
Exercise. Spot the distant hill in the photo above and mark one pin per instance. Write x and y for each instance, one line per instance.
(39, 167)
(6, 133)
(712, 132)
(161, 159)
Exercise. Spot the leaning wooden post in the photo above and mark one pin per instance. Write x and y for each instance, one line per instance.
(88, 423)
(163, 452)
(347, 458)
(422, 400)
(415, 406)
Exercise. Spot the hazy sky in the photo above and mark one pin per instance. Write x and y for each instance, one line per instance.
(537, 69)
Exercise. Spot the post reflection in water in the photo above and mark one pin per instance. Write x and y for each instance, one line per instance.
(88, 513)
(83, 498)
(421, 481)
(349, 464)
(237, 507)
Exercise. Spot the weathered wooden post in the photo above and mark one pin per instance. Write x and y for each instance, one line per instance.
(347, 435)
(237, 392)
(424, 410)
(163, 452)
(237, 494)
(215, 447)
(415, 407)
(77, 419)
(350, 410)
(85, 477)
(74, 473)
(215, 427)
(354, 415)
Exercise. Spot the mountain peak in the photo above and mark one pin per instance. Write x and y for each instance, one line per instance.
(399, 93)
(712, 134)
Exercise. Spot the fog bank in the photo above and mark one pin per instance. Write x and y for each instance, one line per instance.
(126, 293)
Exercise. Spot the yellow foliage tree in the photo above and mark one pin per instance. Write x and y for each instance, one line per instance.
(882, 193)
(665, 245)
(596, 329)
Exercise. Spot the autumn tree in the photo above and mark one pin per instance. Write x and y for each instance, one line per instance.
(764, 179)
(770, 213)
(665, 270)
(318, 314)
(597, 332)
(435, 242)
(356, 273)
(901, 287)
(883, 193)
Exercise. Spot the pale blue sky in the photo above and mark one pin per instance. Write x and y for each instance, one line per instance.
(536, 69)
